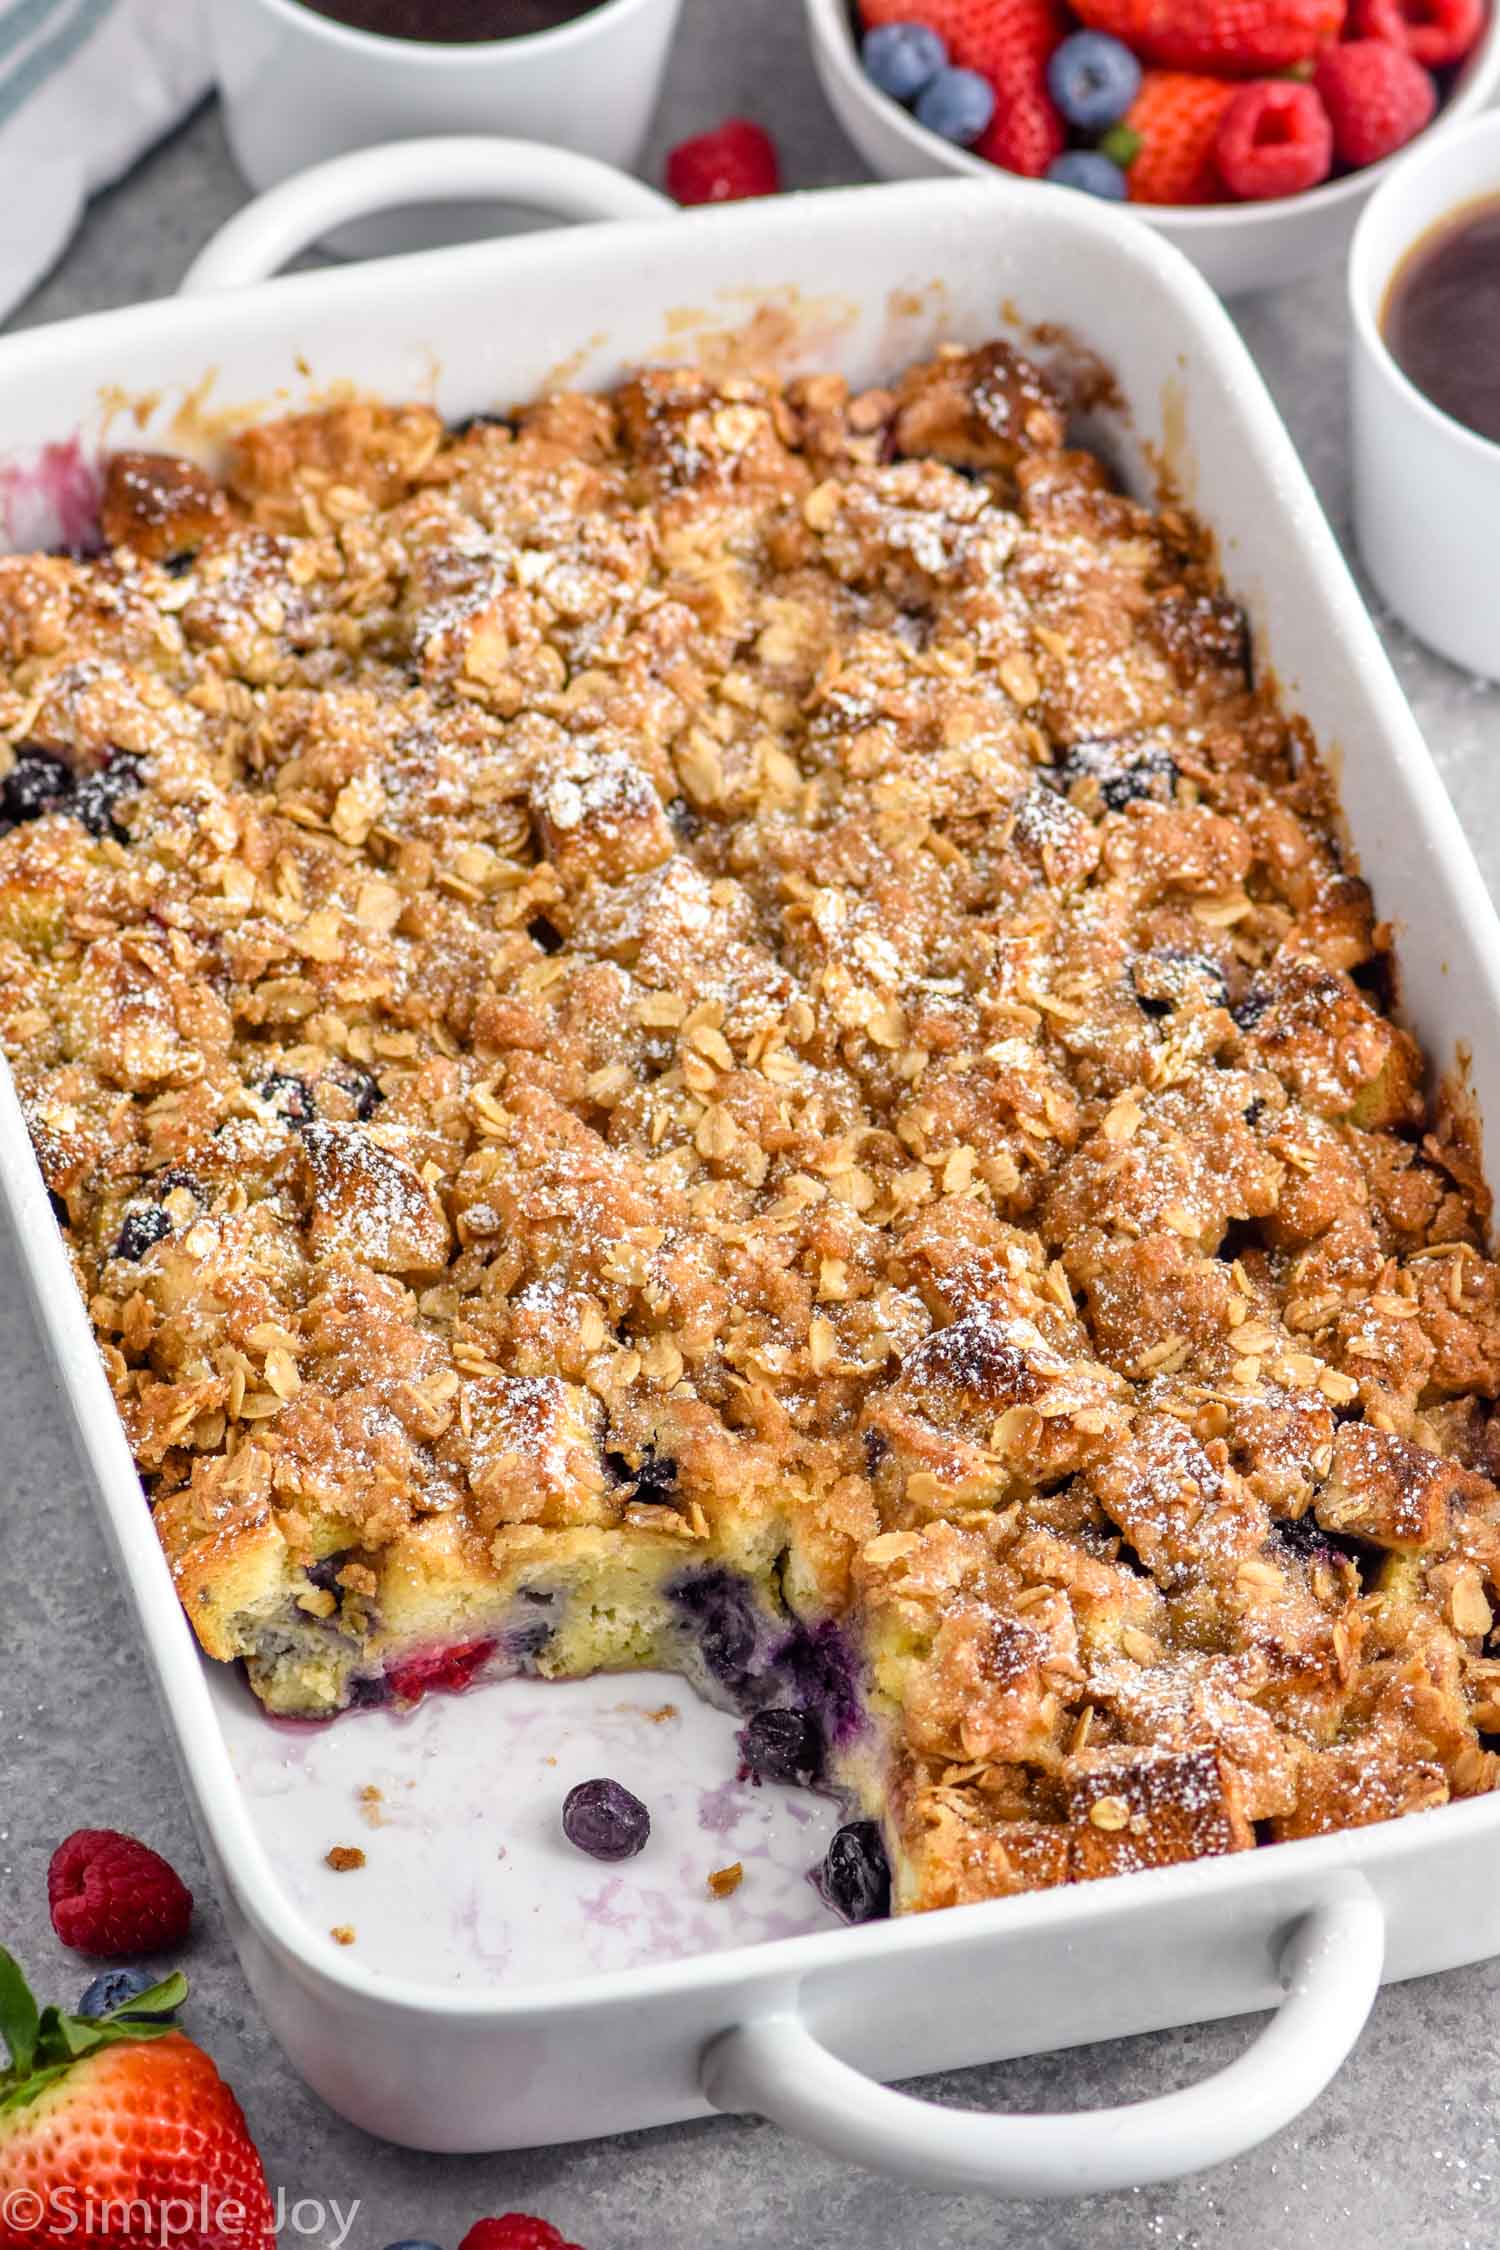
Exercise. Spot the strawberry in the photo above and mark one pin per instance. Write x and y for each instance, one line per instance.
(515, 2231)
(114, 1896)
(1166, 138)
(115, 2134)
(1377, 96)
(1274, 139)
(1438, 33)
(737, 159)
(1236, 38)
(998, 38)
(1026, 133)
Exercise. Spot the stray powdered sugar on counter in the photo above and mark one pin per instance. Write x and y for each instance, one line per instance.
(468, 1880)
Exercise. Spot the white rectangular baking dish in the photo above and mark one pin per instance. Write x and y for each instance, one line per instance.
(531, 2041)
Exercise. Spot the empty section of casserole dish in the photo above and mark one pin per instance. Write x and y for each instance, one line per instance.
(715, 1027)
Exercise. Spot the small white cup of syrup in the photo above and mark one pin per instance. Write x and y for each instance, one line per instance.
(303, 80)
(1424, 289)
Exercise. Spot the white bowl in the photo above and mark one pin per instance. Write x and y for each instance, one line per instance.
(1236, 246)
(1426, 488)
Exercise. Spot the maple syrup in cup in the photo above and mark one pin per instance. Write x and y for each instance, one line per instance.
(452, 22)
(1442, 315)
(1424, 301)
(304, 80)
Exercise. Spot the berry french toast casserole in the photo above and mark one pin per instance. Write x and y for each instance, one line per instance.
(716, 1027)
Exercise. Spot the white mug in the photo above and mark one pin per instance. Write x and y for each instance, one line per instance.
(1426, 489)
(298, 88)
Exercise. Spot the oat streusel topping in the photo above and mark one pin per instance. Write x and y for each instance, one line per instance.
(716, 1020)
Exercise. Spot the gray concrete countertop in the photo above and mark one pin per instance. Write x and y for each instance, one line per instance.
(1403, 2147)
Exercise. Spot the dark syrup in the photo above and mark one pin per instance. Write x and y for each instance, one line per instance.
(452, 22)
(1441, 318)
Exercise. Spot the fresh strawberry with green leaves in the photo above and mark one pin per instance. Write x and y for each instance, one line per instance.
(1166, 139)
(1009, 42)
(117, 2133)
(1234, 38)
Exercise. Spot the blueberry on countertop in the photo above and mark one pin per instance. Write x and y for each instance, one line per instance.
(855, 1877)
(957, 105)
(902, 58)
(1093, 79)
(1090, 172)
(603, 1819)
(114, 1988)
(39, 782)
(783, 1745)
(413, 2244)
(140, 1230)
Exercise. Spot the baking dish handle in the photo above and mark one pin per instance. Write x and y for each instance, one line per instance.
(476, 168)
(1330, 1968)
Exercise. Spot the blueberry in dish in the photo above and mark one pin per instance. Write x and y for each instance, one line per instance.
(716, 1027)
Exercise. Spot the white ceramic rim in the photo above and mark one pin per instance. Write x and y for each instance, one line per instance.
(171, 1643)
(1331, 1925)
(435, 54)
(1367, 289)
(828, 23)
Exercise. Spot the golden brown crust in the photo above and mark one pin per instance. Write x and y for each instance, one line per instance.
(728, 977)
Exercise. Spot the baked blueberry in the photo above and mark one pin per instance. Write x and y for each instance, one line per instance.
(290, 1096)
(178, 565)
(723, 1614)
(1125, 769)
(140, 1230)
(818, 1666)
(855, 1877)
(364, 1090)
(603, 1819)
(469, 422)
(39, 782)
(655, 1481)
(783, 1744)
(99, 793)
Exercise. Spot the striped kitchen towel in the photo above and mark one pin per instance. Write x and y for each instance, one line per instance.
(85, 87)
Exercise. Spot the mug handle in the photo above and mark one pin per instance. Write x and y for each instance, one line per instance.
(258, 240)
(1330, 1969)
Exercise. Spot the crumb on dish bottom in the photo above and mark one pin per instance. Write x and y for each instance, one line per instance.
(715, 1028)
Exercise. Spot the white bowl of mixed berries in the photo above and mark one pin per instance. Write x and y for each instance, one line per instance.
(1248, 132)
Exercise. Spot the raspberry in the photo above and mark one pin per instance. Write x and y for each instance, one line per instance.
(737, 159)
(112, 1896)
(1438, 33)
(1274, 139)
(1377, 96)
(1167, 138)
(450, 1668)
(1026, 133)
(1237, 38)
(515, 2231)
